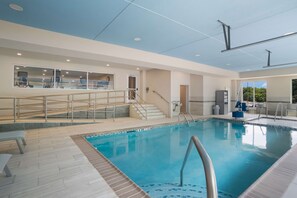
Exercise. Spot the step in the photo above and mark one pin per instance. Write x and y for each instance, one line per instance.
(155, 117)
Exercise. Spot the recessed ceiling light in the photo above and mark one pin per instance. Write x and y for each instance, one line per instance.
(45, 70)
(67, 72)
(17, 68)
(137, 39)
(197, 55)
(107, 65)
(43, 74)
(19, 54)
(16, 7)
(137, 68)
(288, 33)
(68, 60)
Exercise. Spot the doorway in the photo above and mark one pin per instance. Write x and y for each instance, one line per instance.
(184, 98)
(131, 85)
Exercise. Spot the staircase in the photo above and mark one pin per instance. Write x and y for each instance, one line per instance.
(153, 112)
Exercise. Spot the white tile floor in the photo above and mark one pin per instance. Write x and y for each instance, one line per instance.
(53, 166)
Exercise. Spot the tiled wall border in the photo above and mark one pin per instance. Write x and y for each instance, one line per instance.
(119, 182)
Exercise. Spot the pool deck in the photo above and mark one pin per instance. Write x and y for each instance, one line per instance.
(54, 166)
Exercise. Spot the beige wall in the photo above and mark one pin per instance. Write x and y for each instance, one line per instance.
(211, 85)
(7, 75)
(160, 81)
(196, 94)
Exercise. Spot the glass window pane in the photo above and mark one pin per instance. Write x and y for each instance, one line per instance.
(101, 81)
(33, 77)
(294, 91)
(66, 79)
(247, 90)
(260, 91)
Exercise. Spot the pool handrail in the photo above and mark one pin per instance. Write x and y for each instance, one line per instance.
(211, 183)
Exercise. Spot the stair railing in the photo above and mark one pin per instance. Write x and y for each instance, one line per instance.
(164, 99)
(138, 100)
(211, 183)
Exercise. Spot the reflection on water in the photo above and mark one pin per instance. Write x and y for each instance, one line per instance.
(240, 153)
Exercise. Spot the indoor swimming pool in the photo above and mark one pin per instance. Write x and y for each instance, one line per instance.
(152, 157)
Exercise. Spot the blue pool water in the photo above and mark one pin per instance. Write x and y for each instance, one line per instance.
(153, 158)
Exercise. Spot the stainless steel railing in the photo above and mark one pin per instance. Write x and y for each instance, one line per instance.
(166, 101)
(138, 101)
(276, 111)
(181, 113)
(16, 108)
(211, 183)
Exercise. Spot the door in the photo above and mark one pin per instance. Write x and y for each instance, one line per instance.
(131, 85)
(183, 98)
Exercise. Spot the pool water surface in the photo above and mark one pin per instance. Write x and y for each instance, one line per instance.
(152, 158)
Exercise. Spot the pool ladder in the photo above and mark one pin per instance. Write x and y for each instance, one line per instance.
(184, 114)
(211, 183)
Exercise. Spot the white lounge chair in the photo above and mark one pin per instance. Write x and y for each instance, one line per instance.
(3, 164)
(18, 136)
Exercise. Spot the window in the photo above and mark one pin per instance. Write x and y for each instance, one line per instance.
(294, 91)
(66, 79)
(100, 81)
(254, 92)
(33, 77)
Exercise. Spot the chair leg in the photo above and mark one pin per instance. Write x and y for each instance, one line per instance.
(7, 171)
(20, 145)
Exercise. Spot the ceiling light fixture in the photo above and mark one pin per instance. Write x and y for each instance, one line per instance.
(288, 33)
(137, 39)
(137, 68)
(67, 72)
(107, 65)
(16, 7)
(68, 60)
(197, 55)
(19, 54)
(228, 64)
(45, 70)
(17, 68)
(43, 74)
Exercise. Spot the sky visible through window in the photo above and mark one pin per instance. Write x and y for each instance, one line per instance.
(257, 84)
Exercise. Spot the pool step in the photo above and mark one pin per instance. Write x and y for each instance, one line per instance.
(168, 190)
(153, 112)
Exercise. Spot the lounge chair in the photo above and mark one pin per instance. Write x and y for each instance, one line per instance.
(3, 164)
(18, 136)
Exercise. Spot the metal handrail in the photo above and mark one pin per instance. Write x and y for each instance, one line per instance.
(211, 183)
(168, 103)
(182, 113)
(41, 104)
(279, 104)
(138, 103)
(154, 91)
(265, 107)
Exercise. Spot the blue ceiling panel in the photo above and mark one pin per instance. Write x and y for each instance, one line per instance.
(75, 17)
(157, 34)
(203, 15)
(175, 28)
(275, 26)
